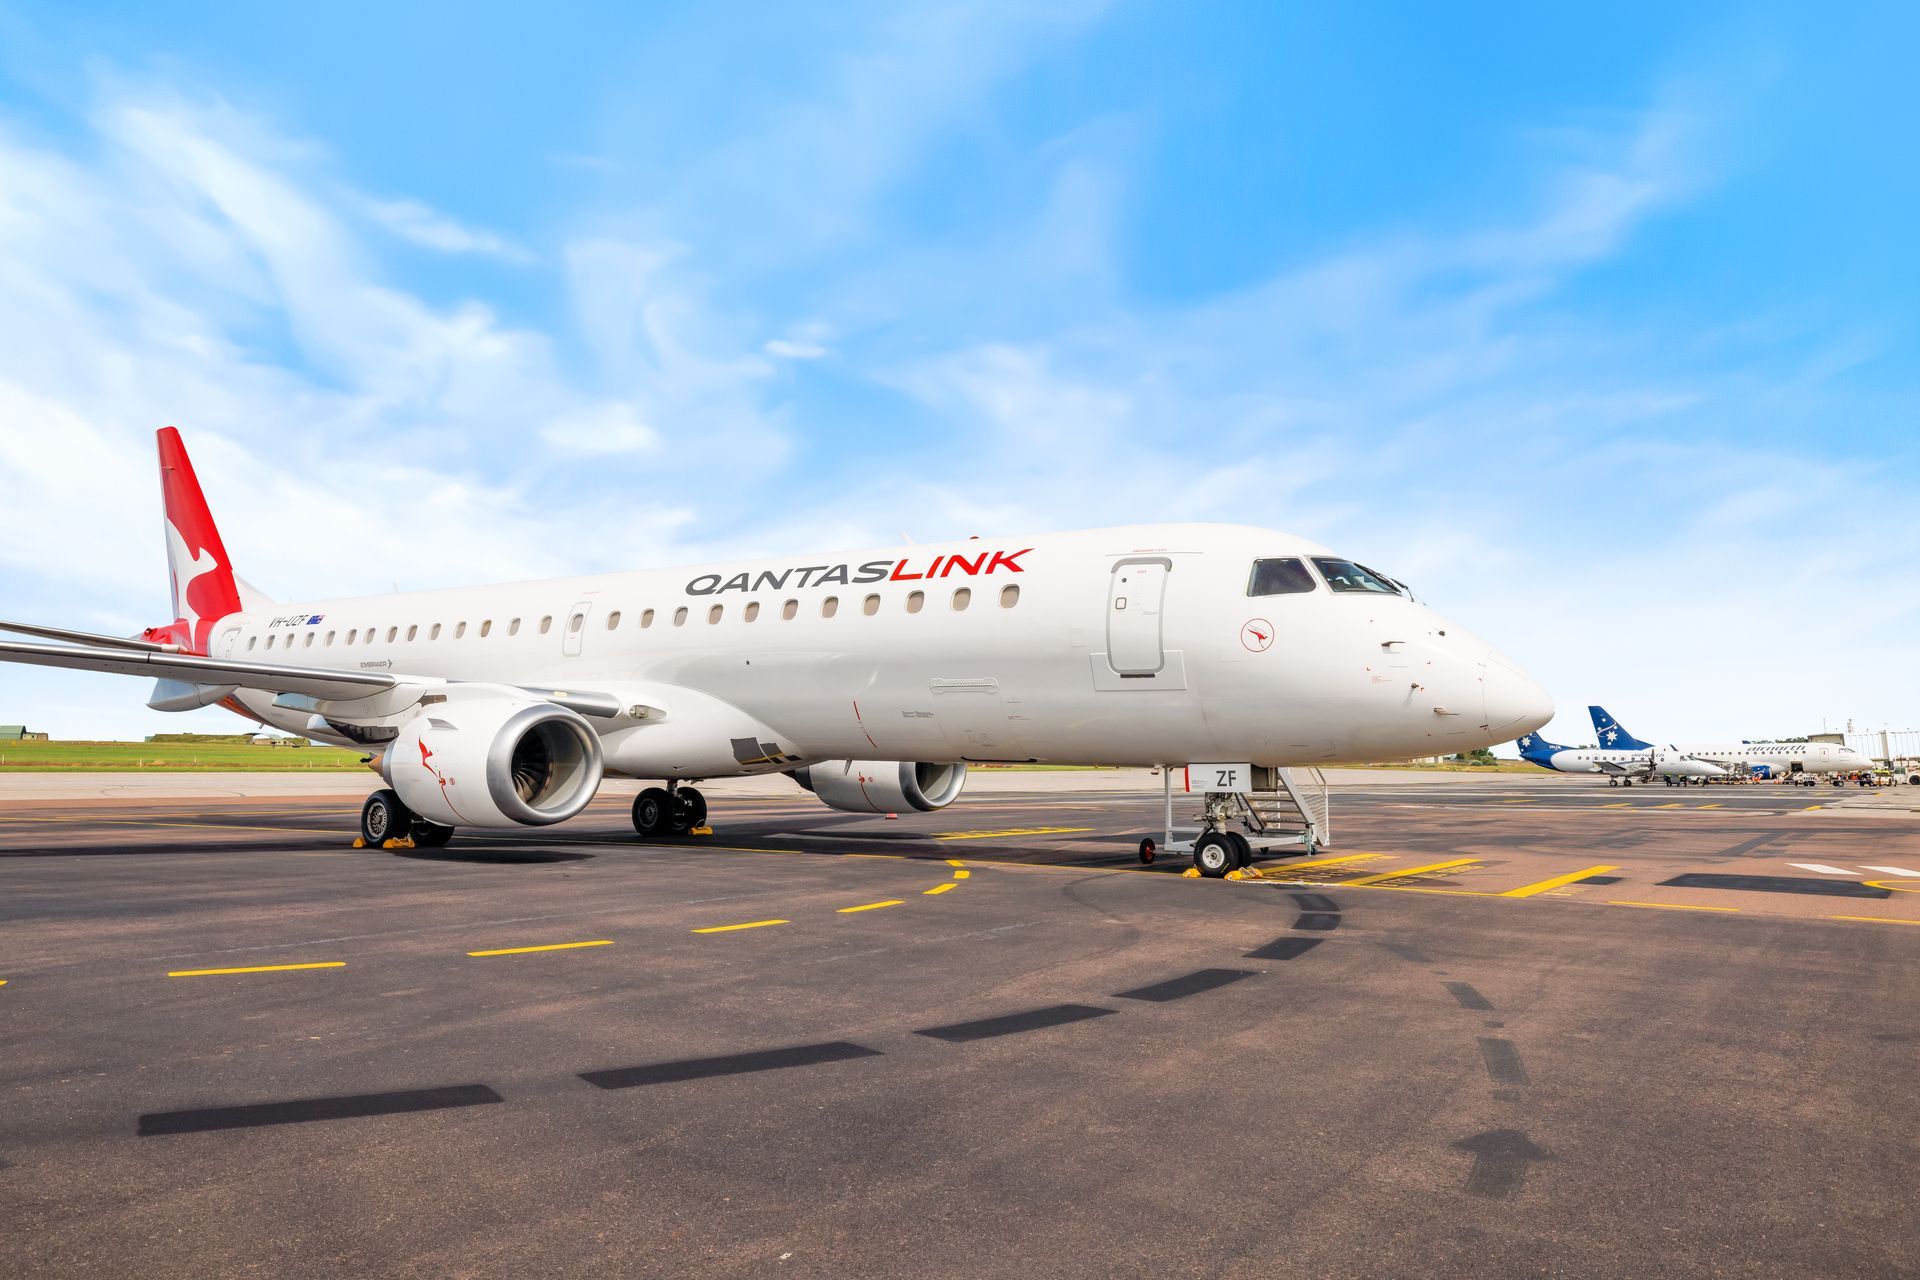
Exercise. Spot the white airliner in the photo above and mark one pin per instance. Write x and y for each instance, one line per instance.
(1623, 766)
(1765, 759)
(873, 678)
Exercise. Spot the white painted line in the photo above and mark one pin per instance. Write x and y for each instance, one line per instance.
(1895, 871)
(1822, 869)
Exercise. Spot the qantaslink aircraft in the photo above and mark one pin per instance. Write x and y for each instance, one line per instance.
(873, 679)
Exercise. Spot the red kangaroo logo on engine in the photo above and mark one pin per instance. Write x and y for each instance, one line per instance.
(942, 566)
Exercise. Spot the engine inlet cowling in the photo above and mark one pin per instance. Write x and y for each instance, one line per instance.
(495, 764)
(882, 786)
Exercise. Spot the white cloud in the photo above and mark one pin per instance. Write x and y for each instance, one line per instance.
(411, 220)
(788, 349)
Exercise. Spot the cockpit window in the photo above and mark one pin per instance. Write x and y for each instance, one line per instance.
(1345, 575)
(1283, 577)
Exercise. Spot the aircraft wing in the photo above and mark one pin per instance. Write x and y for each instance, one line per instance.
(189, 668)
(1618, 769)
(195, 681)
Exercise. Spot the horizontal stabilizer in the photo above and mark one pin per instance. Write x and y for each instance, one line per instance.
(85, 637)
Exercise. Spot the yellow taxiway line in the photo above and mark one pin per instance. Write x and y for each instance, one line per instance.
(751, 924)
(551, 946)
(1665, 906)
(1528, 890)
(258, 968)
(1875, 919)
(1409, 871)
(941, 888)
(872, 906)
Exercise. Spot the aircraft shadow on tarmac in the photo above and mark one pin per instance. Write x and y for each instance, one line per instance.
(517, 856)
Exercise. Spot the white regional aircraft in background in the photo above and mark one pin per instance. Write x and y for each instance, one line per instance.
(1623, 766)
(1765, 759)
(872, 678)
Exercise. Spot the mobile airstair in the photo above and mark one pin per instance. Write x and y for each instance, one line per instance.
(1223, 814)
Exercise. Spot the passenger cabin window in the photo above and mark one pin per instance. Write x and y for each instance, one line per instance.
(486, 628)
(916, 601)
(713, 614)
(752, 610)
(646, 619)
(353, 634)
(393, 633)
(459, 631)
(1009, 596)
(434, 634)
(270, 640)
(870, 606)
(962, 598)
(252, 641)
(329, 638)
(575, 622)
(1345, 575)
(513, 628)
(680, 616)
(1286, 576)
(309, 640)
(613, 620)
(546, 624)
(411, 633)
(829, 606)
(790, 610)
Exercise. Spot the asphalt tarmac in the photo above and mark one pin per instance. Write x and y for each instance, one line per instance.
(1492, 1030)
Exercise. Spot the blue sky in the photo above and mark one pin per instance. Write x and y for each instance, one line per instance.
(1596, 325)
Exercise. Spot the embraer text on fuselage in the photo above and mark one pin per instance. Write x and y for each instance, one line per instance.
(821, 575)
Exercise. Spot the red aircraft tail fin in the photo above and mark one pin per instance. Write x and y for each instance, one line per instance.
(204, 590)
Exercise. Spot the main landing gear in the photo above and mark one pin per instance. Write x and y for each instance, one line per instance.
(672, 810)
(385, 817)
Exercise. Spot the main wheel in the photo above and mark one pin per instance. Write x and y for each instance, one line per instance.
(430, 835)
(1147, 849)
(650, 812)
(1214, 854)
(384, 817)
(1242, 851)
(694, 805)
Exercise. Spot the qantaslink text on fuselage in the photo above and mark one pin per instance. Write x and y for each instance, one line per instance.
(941, 566)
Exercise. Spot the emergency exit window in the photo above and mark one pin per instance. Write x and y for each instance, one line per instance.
(1286, 576)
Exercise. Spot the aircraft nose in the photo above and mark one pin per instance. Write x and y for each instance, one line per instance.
(1515, 704)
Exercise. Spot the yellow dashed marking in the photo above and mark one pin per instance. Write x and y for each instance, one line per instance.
(941, 888)
(1527, 891)
(1624, 804)
(955, 862)
(751, 924)
(551, 946)
(1665, 906)
(1285, 872)
(1868, 919)
(872, 906)
(1707, 806)
(962, 874)
(1412, 871)
(258, 968)
(1675, 805)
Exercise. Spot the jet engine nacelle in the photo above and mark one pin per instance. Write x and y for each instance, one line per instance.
(882, 786)
(494, 762)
